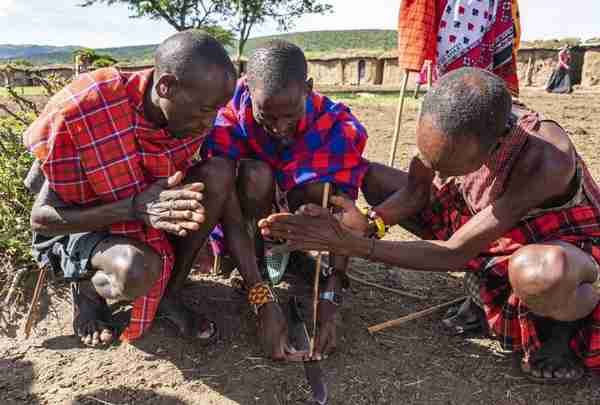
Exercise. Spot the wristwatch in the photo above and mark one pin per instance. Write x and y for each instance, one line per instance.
(331, 296)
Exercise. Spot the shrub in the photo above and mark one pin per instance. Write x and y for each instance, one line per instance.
(16, 114)
(15, 199)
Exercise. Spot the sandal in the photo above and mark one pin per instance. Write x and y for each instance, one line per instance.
(187, 323)
(554, 362)
(552, 368)
(465, 319)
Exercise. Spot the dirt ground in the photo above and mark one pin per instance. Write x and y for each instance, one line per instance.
(411, 364)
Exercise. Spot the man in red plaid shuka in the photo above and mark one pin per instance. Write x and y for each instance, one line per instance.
(512, 203)
(289, 140)
(119, 156)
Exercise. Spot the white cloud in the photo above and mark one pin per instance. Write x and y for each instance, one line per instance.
(6, 7)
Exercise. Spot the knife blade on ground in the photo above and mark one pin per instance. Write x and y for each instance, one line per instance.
(299, 338)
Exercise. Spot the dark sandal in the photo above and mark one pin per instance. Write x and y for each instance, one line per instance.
(191, 325)
(464, 319)
(548, 362)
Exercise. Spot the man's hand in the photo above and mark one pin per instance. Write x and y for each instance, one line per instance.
(170, 207)
(351, 217)
(273, 334)
(313, 229)
(326, 340)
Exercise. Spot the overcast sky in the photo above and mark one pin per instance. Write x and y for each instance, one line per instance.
(61, 22)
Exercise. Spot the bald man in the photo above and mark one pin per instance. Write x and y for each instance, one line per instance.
(497, 191)
(125, 202)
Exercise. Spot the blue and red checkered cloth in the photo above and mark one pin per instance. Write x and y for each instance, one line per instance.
(328, 147)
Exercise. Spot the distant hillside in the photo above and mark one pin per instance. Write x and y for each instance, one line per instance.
(31, 51)
(63, 55)
(315, 42)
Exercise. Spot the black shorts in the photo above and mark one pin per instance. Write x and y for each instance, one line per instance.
(69, 254)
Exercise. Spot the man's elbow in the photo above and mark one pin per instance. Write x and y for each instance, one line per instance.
(42, 223)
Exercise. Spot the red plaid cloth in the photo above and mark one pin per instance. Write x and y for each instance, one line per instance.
(96, 147)
(485, 185)
(507, 316)
(328, 147)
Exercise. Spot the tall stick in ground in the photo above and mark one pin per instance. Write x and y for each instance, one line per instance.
(398, 120)
(324, 204)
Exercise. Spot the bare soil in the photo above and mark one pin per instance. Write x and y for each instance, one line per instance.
(411, 364)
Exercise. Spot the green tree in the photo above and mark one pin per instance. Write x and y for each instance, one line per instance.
(180, 14)
(247, 14)
(91, 58)
(240, 16)
(21, 62)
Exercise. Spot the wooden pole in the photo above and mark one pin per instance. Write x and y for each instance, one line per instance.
(429, 75)
(324, 204)
(398, 120)
(417, 89)
(34, 301)
(382, 287)
(411, 317)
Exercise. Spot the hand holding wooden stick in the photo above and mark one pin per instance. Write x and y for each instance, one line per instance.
(324, 204)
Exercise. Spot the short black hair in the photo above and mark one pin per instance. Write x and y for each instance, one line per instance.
(469, 101)
(186, 50)
(276, 64)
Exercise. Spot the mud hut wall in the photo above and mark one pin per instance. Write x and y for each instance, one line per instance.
(351, 71)
(328, 72)
(393, 76)
(591, 68)
(62, 72)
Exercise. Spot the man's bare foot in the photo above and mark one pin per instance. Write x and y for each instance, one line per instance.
(554, 362)
(91, 315)
(187, 323)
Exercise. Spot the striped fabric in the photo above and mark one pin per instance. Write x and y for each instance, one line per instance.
(95, 147)
(451, 208)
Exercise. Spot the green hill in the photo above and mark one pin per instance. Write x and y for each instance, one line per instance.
(314, 42)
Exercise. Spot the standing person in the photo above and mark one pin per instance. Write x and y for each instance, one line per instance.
(560, 79)
(458, 33)
(518, 209)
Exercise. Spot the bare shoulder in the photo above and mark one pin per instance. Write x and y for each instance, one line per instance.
(547, 162)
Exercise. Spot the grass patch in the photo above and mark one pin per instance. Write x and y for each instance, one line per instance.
(370, 98)
(24, 91)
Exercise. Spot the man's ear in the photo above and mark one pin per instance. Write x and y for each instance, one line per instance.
(166, 85)
(309, 85)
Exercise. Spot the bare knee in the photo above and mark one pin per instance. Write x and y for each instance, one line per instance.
(135, 269)
(539, 276)
(216, 173)
(304, 194)
(256, 181)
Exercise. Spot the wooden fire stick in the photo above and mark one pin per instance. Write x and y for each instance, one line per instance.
(324, 204)
(398, 120)
(411, 317)
(33, 309)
